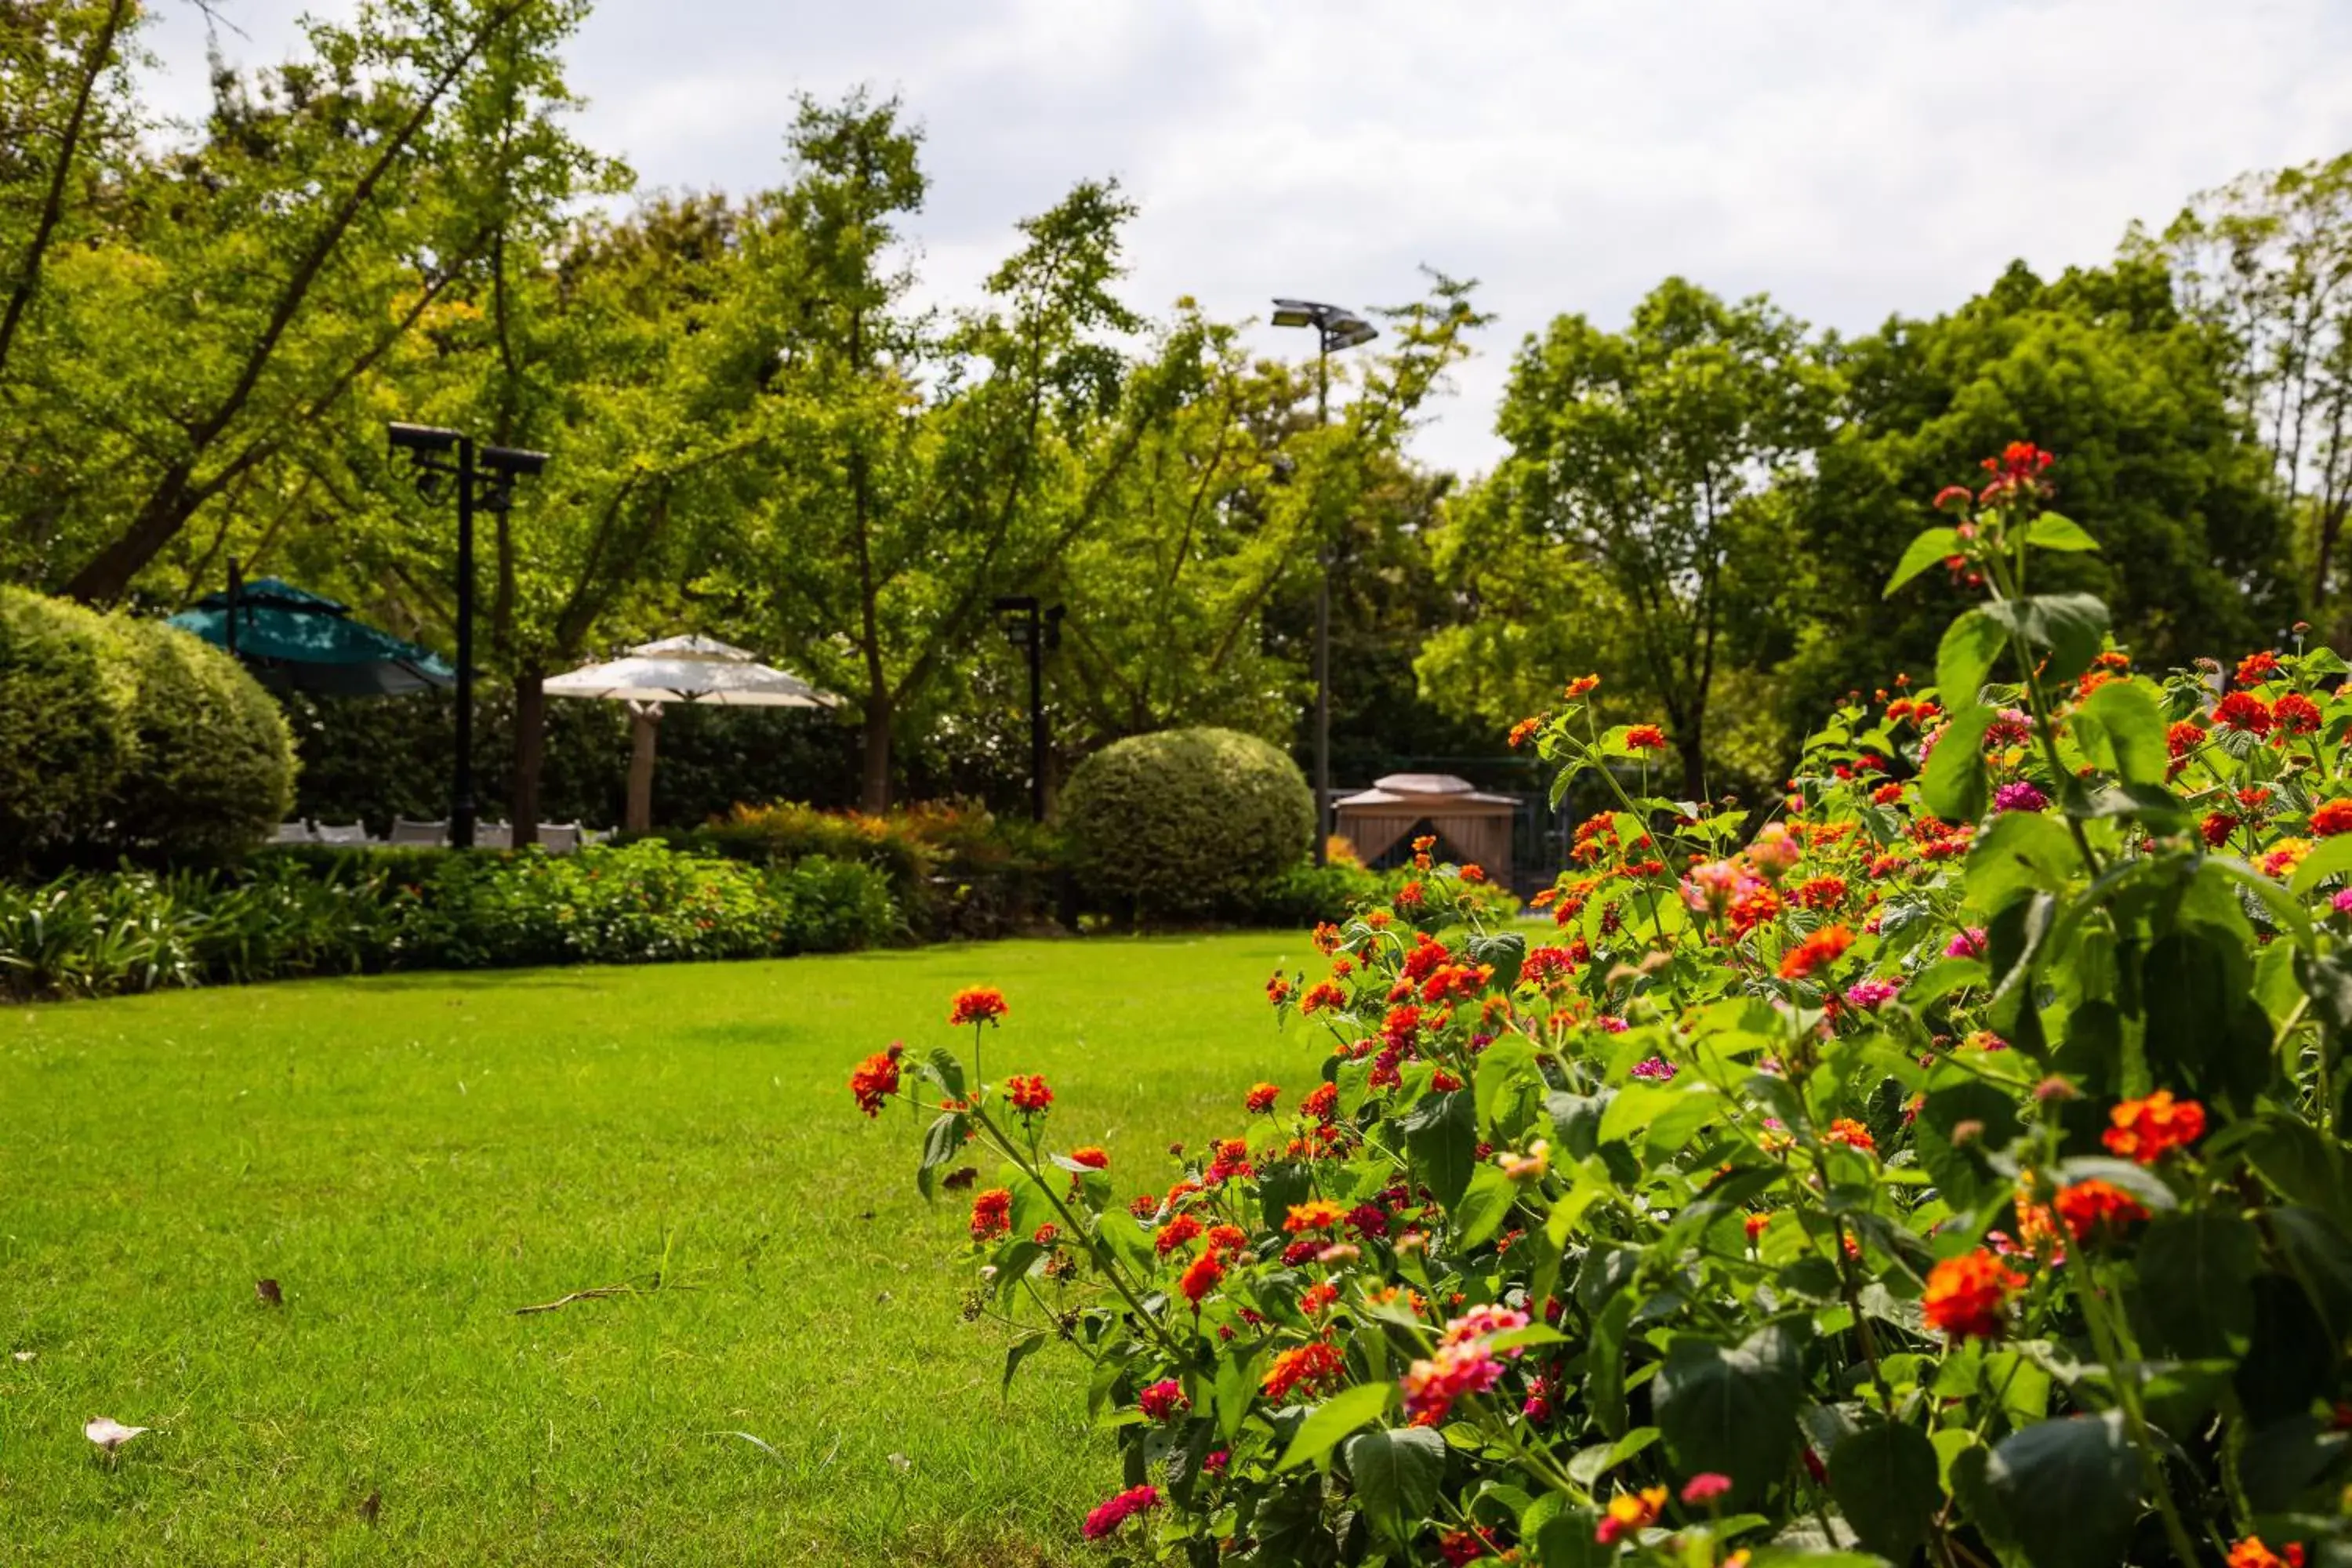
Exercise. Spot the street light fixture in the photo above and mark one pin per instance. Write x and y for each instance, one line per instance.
(486, 478)
(1335, 327)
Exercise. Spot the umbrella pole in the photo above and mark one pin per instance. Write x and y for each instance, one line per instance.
(644, 720)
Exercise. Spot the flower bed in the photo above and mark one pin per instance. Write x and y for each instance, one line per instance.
(1945, 1170)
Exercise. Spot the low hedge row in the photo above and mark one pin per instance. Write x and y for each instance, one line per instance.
(284, 915)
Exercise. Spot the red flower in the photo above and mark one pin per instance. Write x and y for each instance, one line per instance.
(875, 1080)
(2252, 1553)
(1525, 727)
(1091, 1157)
(977, 1005)
(1583, 686)
(992, 1213)
(1322, 1102)
(1108, 1516)
(1646, 738)
(1260, 1099)
(1754, 1225)
(1176, 1233)
(1953, 497)
(1967, 1296)
(2333, 818)
(1201, 1278)
(1825, 946)
(1821, 893)
(1304, 1367)
(2182, 737)
(1369, 1221)
(2297, 714)
(2096, 1207)
(1846, 1129)
(2216, 828)
(1321, 995)
(2243, 710)
(1029, 1093)
(1315, 1297)
(1315, 1214)
(1161, 1400)
(1705, 1488)
(2147, 1130)
(2257, 668)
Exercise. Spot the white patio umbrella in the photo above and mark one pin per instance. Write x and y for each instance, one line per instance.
(692, 668)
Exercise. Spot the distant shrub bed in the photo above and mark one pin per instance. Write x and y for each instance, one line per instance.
(289, 914)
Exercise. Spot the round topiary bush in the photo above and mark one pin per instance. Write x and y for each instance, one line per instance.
(216, 763)
(120, 736)
(67, 685)
(1185, 821)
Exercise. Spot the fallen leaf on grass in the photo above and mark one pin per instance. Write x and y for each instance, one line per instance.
(27, 1355)
(267, 1292)
(370, 1504)
(110, 1433)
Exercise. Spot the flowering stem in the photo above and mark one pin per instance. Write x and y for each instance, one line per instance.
(1103, 1260)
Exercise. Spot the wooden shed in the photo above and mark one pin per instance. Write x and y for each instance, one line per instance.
(1472, 826)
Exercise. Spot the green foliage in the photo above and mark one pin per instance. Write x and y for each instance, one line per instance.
(122, 737)
(216, 770)
(1178, 823)
(66, 691)
(292, 913)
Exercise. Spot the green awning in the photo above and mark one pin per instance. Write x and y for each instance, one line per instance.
(294, 640)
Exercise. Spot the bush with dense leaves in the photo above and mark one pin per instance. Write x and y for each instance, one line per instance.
(1185, 821)
(1947, 1169)
(350, 911)
(66, 691)
(126, 737)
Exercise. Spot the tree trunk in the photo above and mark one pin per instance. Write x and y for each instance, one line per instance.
(873, 793)
(645, 727)
(530, 755)
(1692, 748)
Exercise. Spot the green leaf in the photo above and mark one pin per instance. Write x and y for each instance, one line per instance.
(1396, 1474)
(2069, 628)
(2052, 532)
(1964, 658)
(2121, 729)
(1953, 787)
(949, 1068)
(943, 1140)
(2020, 850)
(2332, 859)
(1732, 1410)
(2065, 1492)
(1931, 547)
(2193, 1268)
(1334, 1419)
(1019, 1351)
(1506, 950)
(1885, 1477)
(1588, 1465)
(1444, 1144)
(1485, 1204)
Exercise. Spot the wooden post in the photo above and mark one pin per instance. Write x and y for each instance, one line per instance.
(645, 722)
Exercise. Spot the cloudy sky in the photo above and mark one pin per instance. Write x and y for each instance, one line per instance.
(1851, 157)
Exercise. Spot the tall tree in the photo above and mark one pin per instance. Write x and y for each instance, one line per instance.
(2100, 367)
(2267, 261)
(1643, 457)
(922, 470)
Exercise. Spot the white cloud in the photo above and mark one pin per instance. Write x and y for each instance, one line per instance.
(1853, 158)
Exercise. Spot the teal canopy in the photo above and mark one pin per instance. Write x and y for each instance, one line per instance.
(293, 640)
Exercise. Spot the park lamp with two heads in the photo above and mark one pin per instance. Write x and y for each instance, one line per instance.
(1337, 326)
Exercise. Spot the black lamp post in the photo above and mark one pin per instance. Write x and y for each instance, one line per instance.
(1037, 630)
(1335, 327)
(486, 478)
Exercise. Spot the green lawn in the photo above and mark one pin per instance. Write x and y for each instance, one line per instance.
(414, 1157)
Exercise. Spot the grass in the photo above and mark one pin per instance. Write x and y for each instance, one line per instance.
(787, 1377)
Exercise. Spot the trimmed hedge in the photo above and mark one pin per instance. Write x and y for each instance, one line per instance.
(1185, 822)
(121, 737)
